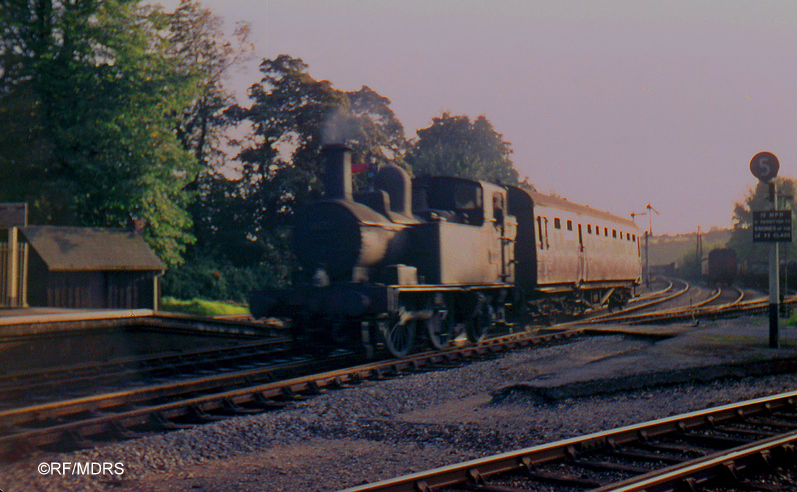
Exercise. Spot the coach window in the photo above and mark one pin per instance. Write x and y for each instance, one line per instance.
(557, 224)
(633, 237)
(589, 228)
(569, 225)
(614, 233)
(606, 231)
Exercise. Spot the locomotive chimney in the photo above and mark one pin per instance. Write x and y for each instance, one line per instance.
(337, 172)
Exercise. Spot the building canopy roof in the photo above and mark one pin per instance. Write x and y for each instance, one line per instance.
(91, 249)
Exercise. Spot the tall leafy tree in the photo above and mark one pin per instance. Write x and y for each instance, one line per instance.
(455, 146)
(92, 83)
(292, 116)
(200, 46)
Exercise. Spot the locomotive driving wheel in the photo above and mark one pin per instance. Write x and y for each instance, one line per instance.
(398, 334)
(440, 326)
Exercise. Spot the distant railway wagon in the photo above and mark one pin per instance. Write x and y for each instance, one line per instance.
(721, 266)
(431, 257)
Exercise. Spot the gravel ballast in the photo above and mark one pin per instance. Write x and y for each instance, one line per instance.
(382, 429)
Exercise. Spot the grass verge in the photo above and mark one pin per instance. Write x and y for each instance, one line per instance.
(201, 307)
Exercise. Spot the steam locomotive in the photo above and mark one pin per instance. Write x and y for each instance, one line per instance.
(432, 257)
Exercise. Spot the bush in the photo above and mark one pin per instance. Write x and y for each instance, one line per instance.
(205, 279)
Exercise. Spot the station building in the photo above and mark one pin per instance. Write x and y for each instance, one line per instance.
(78, 267)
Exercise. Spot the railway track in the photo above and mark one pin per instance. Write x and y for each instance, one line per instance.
(647, 301)
(731, 446)
(71, 407)
(197, 398)
(719, 302)
(18, 388)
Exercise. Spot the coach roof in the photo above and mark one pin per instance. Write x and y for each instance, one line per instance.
(563, 204)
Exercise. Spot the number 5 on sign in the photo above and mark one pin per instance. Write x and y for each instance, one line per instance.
(764, 166)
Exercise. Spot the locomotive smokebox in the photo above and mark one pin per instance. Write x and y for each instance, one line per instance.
(337, 172)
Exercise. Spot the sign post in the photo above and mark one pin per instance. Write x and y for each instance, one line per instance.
(770, 227)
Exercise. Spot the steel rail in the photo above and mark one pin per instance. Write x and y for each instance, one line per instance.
(674, 314)
(610, 316)
(664, 313)
(475, 472)
(655, 293)
(140, 367)
(749, 307)
(702, 470)
(20, 328)
(102, 402)
(115, 412)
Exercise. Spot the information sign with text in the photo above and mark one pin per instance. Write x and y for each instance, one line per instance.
(772, 226)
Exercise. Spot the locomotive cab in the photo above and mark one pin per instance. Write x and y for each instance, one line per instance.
(467, 235)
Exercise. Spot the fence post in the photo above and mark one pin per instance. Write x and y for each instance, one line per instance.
(25, 251)
(13, 267)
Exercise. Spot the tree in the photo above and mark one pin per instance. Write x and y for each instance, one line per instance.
(292, 116)
(198, 44)
(219, 214)
(453, 146)
(90, 86)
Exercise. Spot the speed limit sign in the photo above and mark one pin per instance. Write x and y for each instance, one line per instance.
(764, 166)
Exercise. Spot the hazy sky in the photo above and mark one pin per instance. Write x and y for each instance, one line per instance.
(614, 104)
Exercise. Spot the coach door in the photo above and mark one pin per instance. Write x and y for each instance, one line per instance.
(582, 257)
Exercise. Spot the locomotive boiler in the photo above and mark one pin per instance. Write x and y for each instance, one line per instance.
(432, 257)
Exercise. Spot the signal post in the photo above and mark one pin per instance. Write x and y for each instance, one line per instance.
(771, 227)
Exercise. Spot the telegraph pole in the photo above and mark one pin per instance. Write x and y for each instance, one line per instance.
(648, 234)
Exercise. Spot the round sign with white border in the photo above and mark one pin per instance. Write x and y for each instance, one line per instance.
(765, 166)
